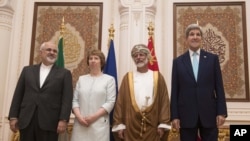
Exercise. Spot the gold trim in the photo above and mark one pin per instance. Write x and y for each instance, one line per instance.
(224, 135)
(16, 136)
(132, 94)
(151, 29)
(62, 28)
(111, 31)
(156, 77)
(131, 89)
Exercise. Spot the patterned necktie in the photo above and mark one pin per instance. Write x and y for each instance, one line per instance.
(195, 64)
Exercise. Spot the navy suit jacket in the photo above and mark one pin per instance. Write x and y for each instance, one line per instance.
(204, 99)
(53, 100)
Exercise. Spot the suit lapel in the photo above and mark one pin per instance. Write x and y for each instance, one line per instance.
(37, 75)
(188, 65)
(202, 63)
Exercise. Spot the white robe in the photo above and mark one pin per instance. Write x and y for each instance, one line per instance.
(90, 94)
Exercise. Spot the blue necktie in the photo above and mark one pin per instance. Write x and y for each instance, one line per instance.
(195, 64)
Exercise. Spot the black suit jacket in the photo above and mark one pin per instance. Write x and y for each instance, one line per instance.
(204, 99)
(53, 100)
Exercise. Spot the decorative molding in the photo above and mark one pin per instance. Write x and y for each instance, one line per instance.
(112, 11)
(21, 38)
(8, 4)
(137, 3)
(239, 112)
(5, 28)
(124, 18)
(6, 17)
(150, 15)
(124, 15)
(238, 116)
(137, 16)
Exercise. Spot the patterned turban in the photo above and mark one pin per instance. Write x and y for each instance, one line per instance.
(140, 48)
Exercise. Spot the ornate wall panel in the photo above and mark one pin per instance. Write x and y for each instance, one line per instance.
(83, 22)
(224, 34)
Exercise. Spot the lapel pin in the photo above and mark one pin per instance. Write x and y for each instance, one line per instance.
(205, 56)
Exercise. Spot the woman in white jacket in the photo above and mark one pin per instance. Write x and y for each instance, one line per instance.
(93, 100)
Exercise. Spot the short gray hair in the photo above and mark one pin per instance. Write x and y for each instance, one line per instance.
(44, 44)
(192, 27)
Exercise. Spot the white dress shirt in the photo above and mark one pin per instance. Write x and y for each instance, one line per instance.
(44, 71)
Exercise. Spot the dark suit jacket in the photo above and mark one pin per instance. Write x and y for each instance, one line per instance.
(53, 100)
(204, 99)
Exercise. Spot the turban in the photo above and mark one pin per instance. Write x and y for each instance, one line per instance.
(140, 48)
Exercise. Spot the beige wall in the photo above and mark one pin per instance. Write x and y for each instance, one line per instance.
(130, 19)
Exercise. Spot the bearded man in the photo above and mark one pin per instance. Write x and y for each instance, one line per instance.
(142, 108)
(42, 101)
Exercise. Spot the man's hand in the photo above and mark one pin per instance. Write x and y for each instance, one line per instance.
(13, 125)
(220, 120)
(121, 134)
(62, 125)
(176, 124)
(160, 132)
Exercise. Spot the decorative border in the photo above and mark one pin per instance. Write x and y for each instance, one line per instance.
(224, 27)
(83, 22)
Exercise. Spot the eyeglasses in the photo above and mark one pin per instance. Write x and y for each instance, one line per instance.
(49, 50)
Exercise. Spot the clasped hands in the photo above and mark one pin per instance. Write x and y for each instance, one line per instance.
(86, 121)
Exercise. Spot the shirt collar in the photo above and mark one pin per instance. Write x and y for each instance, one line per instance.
(191, 52)
(46, 67)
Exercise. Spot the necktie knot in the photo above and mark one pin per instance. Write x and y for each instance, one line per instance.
(195, 54)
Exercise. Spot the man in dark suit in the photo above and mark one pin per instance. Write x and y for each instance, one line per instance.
(197, 95)
(42, 100)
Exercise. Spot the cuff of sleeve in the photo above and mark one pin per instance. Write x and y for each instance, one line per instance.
(165, 126)
(13, 118)
(118, 127)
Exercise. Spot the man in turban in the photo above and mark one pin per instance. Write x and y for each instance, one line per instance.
(142, 108)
